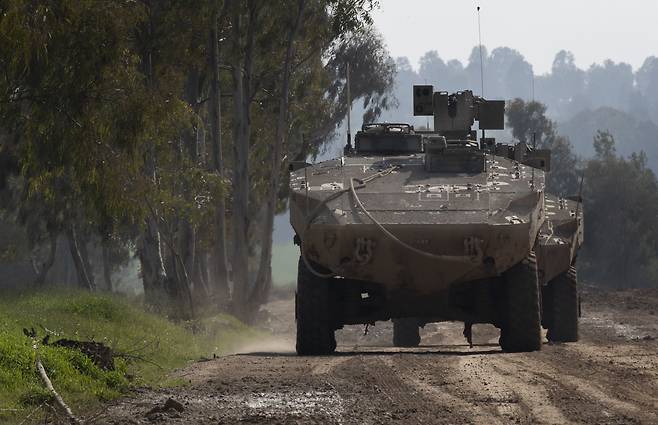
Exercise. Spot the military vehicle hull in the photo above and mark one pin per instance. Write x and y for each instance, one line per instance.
(470, 227)
(428, 226)
(456, 235)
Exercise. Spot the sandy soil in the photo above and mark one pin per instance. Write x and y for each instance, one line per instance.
(610, 377)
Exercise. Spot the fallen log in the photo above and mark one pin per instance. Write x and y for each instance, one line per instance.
(60, 401)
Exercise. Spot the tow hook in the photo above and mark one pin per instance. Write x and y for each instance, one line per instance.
(468, 333)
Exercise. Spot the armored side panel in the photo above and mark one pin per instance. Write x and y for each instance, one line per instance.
(453, 112)
(452, 156)
(423, 100)
(434, 148)
(388, 143)
(535, 158)
(491, 114)
(388, 138)
(539, 158)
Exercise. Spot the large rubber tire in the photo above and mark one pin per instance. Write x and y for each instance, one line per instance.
(406, 332)
(313, 313)
(563, 324)
(521, 327)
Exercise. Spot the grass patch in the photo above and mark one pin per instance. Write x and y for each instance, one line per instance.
(116, 322)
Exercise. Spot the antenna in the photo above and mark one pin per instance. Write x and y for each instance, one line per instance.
(427, 118)
(482, 141)
(481, 62)
(348, 146)
(534, 146)
(534, 132)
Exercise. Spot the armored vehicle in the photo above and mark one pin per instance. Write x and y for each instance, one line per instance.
(429, 226)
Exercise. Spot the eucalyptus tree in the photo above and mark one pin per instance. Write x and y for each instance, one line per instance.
(105, 110)
(275, 47)
(92, 98)
(63, 62)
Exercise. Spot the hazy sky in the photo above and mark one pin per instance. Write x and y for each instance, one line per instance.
(622, 30)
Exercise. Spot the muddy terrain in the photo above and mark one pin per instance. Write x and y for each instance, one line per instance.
(610, 377)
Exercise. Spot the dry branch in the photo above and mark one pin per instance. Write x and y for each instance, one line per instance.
(58, 398)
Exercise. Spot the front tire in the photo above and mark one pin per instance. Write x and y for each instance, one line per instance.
(563, 290)
(521, 327)
(313, 313)
(406, 332)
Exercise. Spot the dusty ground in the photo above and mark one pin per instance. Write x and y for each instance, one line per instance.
(610, 377)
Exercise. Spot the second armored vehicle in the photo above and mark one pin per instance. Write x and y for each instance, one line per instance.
(434, 226)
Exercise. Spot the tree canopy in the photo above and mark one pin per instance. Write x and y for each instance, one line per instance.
(620, 196)
(124, 130)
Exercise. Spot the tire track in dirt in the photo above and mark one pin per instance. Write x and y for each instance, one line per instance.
(522, 394)
(570, 389)
(372, 394)
(435, 384)
(510, 393)
(485, 386)
(404, 400)
(327, 366)
(533, 395)
(471, 383)
(635, 363)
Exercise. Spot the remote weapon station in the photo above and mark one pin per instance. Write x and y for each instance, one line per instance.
(430, 226)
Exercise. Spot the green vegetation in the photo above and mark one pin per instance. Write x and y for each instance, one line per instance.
(159, 133)
(621, 203)
(149, 346)
(620, 199)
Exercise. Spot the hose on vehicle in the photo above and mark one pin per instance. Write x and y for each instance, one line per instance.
(330, 198)
(394, 238)
(361, 183)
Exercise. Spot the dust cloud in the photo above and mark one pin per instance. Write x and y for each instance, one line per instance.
(267, 345)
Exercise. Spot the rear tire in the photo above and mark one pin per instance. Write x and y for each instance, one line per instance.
(563, 290)
(313, 313)
(521, 327)
(406, 332)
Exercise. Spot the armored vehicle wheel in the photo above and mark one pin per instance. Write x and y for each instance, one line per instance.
(406, 332)
(521, 327)
(563, 315)
(313, 313)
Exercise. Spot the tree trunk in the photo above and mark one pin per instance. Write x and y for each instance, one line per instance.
(187, 241)
(199, 275)
(188, 252)
(47, 265)
(182, 287)
(221, 273)
(241, 136)
(107, 267)
(263, 282)
(84, 280)
(83, 239)
(154, 276)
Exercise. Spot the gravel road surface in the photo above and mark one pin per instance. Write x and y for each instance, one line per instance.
(610, 377)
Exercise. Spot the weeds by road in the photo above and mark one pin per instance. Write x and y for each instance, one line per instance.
(148, 348)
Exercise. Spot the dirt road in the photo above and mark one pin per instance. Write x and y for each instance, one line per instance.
(610, 377)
